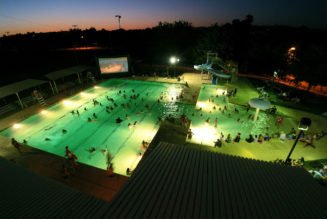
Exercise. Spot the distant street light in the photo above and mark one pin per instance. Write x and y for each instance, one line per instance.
(292, 48)
(275, 74)
(304, 125)
(173, 61)
(291, 55)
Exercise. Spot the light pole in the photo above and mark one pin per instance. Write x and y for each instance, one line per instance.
(291, 55)
(119, 17)
(303, 126)
(173, 61)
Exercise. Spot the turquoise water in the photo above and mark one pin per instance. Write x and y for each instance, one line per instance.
(229, 121)
(123, 142)
(45, 129)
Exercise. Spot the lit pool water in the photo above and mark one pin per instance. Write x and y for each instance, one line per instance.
(229, 121)
(123, 142)
(135, 102)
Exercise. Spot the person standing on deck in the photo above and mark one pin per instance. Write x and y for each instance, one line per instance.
(16, 144)
(215, 122)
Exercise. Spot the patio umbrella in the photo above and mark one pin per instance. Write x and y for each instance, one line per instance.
(259, 104)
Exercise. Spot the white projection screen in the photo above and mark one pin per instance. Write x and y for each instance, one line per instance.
(113, 65)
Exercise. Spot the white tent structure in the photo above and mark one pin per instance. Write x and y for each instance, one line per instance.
(17, 87)
(53, 76)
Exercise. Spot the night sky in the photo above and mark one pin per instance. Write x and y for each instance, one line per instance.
(21, 16)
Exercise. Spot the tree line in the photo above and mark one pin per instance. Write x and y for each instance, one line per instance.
(256, 49)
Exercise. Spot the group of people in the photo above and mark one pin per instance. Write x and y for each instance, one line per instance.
(231, 93)
(320, 174)
(258, 138)
(134, 97)
(232, 112)
(250, 139)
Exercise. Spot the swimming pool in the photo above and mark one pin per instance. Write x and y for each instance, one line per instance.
(137, 103)
(212, 101)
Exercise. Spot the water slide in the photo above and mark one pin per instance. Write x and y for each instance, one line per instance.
(215, 72)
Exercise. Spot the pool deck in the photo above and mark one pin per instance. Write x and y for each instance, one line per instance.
(96, 182)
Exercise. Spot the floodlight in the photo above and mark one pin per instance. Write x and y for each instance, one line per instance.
(173, 60)
(304, 124)
(17, 126)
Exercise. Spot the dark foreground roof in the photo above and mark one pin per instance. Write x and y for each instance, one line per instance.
(173, 182)
(185, 182)
(26, 195)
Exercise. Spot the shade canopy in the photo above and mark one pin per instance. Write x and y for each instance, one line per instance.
(67, 71)
(19, 86)
(260, 103)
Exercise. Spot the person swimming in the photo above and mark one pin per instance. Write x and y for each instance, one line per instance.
(119, 120)
(104, 151)
(92, 149)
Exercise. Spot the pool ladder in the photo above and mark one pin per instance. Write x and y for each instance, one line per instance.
(41, 100)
